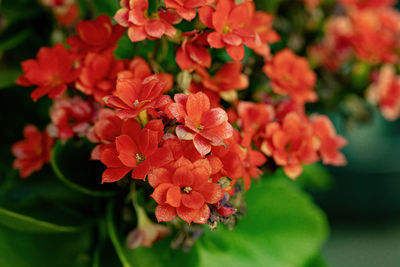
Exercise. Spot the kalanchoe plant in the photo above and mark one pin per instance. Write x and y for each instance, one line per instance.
(183, 139)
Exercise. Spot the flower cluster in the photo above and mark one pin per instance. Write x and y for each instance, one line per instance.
(191, 144)
(368, 31)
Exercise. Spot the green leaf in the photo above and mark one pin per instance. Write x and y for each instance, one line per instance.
(109, 7)
(64, 159)
(15, 39)
(26, 223)
(282, 228)
(41, 250)
(316, 261)
(8, 77)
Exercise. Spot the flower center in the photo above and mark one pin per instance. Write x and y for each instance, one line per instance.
(186, 189)
(139, 157)
(226, 29)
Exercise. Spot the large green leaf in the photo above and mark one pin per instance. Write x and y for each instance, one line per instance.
(41, 250)
(43, 204)
(282, 228)
(26, 223)
(71, 165)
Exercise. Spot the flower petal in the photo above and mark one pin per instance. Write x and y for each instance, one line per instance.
(202, 215)
(165, 213)
(202, 145)
(174, 196)
(160, 193)
(114, 174)
(193, 200)
(211, 192)
(182, 177)
(159, 176)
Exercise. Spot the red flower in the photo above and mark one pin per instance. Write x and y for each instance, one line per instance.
(362, 4)
(134, 14)
(97, 35)
(330, 141)
(67, 15)
(138, 69)
(291, 143)
(336, 48)
(71, 116)
(230, 22)
(376, 35)
(253, 119)
(291, 75)
(65, 11)
(386, 92)
(99, 75)
(32, 152)
(224, 84)
(193, 53)
(186, 8)
(131, 96)
(104, 131)
(231, 157)
(184, 190)
(253, 159)
(201, 124)
(261, 23)
(135, 150)
(51, 72)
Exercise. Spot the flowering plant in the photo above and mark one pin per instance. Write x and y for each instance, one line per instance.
(174, 126)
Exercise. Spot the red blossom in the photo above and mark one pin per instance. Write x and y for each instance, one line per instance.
(261, 23)
(97, 35)
(291, 75)
(386, 92)
(71, 116)
(32, 152)
(135, 150)
(201, 124)
(376, 35)
(50, 72)
(231, 24)
(364, 4)
(336, 47)
(134, 15)
(184, 190)
(252, 161)
(224, 84)
(65, 11)
(99, 74)
(186, 8)
(138, 69)
(132, 96)
(253, 119)
(193, 53)
(291, 143)
(104, 131)
(331, 143)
